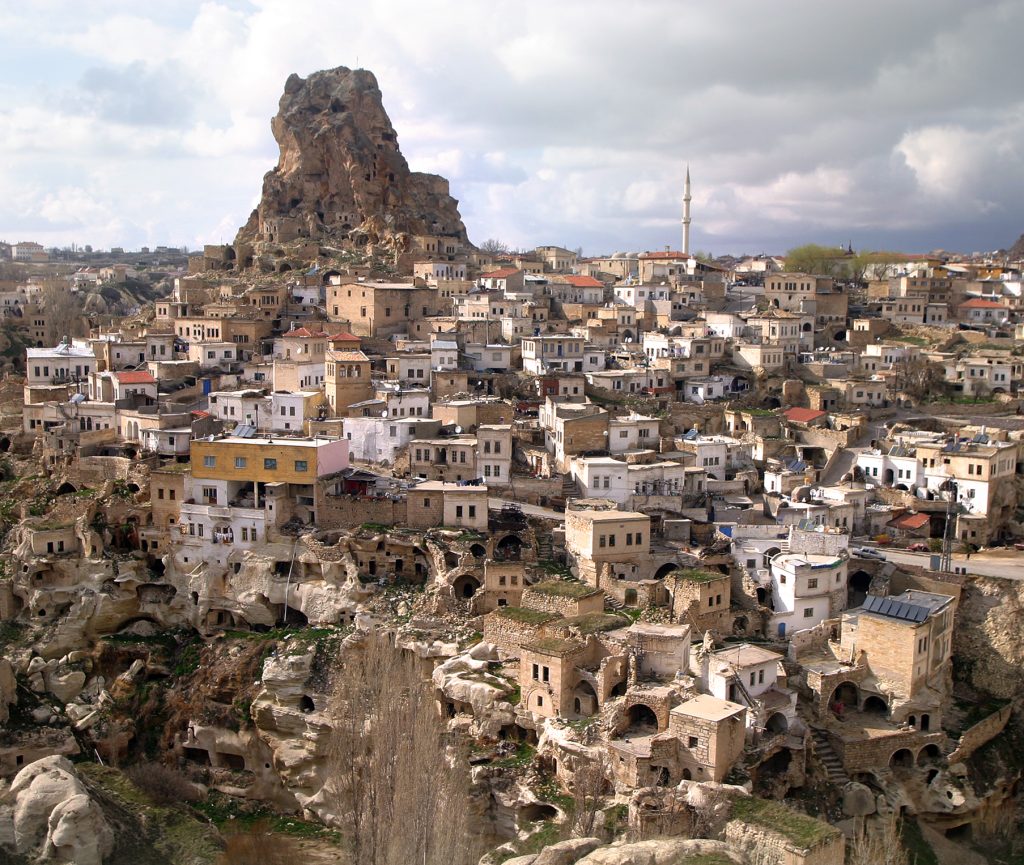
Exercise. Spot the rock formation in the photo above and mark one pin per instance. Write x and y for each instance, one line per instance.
(47, 812)
(341, 179)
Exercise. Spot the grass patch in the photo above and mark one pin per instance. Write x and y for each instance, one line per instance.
(523, 756)
(223, 811)
(907, 338)
(597, 623)
(803, 831)
(563, 589)
(525, 616)
(696, 575)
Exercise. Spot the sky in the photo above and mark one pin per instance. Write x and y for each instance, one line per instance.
(896, 126)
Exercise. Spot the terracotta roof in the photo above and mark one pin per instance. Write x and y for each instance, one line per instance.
(343, 336)
(134, 377)
(347, 355)
(200, 414)
(504, 273)
(583, 281)
(910, 521)
(981, 303)
(803, 415)
(304, 333)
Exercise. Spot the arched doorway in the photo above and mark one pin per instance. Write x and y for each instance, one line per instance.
(584, 700)
(769, 554)
(928, 753)
(465, 586)
(477, 551)
(888, 476)
(846, 696)
(857, 588)
(902, 759)
(665, 570)
(875, 706)
(642, 719)
(925, 722)
(66, 488)
(508, 549)
(777, 723)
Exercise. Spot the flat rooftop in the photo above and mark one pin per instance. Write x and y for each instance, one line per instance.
(708, 708)
(746, 655)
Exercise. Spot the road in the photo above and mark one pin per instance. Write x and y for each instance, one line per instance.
(1006, 567)
(530, 510)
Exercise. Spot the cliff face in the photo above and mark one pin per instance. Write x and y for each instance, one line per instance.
(341, 178)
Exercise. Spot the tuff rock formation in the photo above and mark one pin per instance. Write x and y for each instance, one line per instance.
(341, 178)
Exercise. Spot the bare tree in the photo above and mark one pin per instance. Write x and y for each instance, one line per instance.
(884, 847)
(400, 789)
(918, 377)
(63, 313)
(493, 246)
(589, 785)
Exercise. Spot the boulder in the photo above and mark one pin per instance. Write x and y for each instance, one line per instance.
(567, 852)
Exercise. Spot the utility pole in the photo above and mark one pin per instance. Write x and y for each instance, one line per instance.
(946, 565)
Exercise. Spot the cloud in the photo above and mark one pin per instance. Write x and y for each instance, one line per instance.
(885, 124)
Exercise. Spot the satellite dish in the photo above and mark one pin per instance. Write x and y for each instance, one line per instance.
(458, 430)
(384, 413)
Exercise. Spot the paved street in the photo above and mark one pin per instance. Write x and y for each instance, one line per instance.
(530, 510)
(1010, 567)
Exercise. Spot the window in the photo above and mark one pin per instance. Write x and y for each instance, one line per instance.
(458, 511)
(602, 541)
(210, 494)
(160, 493)
(472, 511)
(760, 677)
(639, 538)
(546, 673)
(270, 464)
(536, 673)
(301, 466)
(753, 678)
(209, 462)
(692, 742)
(808, 612)
(240, 462)
(812, 583)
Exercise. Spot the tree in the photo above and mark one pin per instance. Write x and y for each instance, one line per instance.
(589, 784)
(493, 246)
(814, 259)
(917, 377)
(63, 313)
(400, 791)
(883, 847)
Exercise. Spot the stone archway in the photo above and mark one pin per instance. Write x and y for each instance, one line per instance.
(875, 705)
(642, 719)
(902, 759)
(584, 699)
(777, 723)
(465, 586)
(928, 753)
(665, 570)
(508, 549)
(845, 696)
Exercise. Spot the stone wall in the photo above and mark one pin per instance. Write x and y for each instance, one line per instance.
(348, 511)
(864, 754)
(981, 733)
(772, 848)
(568, 607)
(424, 509)
(812, 640)
(508, 634)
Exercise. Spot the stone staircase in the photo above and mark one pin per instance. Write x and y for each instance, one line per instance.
(613, 603)
(545, 550)
(569, 488)
(828, 757)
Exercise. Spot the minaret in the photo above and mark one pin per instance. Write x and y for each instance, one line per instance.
(686, 213)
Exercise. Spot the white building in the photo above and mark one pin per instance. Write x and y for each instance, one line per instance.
(379, 440)
(802, 590)
(64, 363)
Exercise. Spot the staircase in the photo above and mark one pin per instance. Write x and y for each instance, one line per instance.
(544, 548)
(569, 488)
(829, 759)
(613, 603)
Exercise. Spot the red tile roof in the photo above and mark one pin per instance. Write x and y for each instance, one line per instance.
(802, 415)
(981, 303)
(504, 273)
(343, 336)
(583, 281)
(134, 377)
(673, 254)
(910, 521)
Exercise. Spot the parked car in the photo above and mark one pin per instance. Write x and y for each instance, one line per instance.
(869, 553)
(918, 548)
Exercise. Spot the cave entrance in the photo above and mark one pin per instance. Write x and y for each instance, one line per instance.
(857, 588)
(642, 719)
